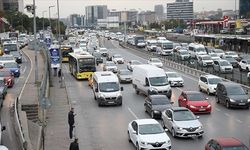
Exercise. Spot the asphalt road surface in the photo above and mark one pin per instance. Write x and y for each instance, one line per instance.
(105, 128)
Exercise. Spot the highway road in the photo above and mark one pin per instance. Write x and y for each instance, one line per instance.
(105, 128)
(9, 138)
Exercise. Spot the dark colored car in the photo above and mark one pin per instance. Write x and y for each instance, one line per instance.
(155, 104)
(194, 101)
(124, 76)
(225, 144)
(232, 61)
(13, 67)
(98, 57)
(3, 91)
(232, 95)
(8, 77)
(17, 55)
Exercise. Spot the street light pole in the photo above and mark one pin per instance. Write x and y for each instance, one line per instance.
(43, 19)
(50, 16)
(35, 45)
(59, 41)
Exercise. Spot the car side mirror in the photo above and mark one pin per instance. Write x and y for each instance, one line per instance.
(134, 132)
(205, 82)
(96, 90)
(121, 88)
(3, 128)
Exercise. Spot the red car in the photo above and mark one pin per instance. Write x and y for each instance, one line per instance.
(225, 144)
(8, 77)
(195, 101)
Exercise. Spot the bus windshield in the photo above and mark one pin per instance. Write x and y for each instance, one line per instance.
(10, 47)
(167, 45)
(86, 64)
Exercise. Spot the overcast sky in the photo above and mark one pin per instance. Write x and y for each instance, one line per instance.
(68, 7)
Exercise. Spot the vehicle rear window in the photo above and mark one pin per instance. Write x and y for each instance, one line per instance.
(196, 97)
(160, 101)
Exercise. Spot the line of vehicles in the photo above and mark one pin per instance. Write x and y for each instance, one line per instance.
(151, 80)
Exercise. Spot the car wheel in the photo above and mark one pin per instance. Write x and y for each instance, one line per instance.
(240, 68)
(137, 146)
(163, 124)
(208, 92)
(228, 104)
(200, 89)
(217, 99)
(173, 132)
(152, 115)
(129, 139)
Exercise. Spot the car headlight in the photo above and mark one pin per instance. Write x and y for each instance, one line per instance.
(179, 128)
(102, 96)
(231, 100)
(191, 106)
(248, 100)
(209, 106)
(9, 80)
(200, 127)
(19, 57)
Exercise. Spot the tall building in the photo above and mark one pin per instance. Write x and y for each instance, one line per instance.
(93, 13)
(9, 5)
(76, 20)
(159, 12)
(146, 18)
(244, 8)
(181, 9)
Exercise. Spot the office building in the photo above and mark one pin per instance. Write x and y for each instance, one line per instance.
(9, 5)
(244, 8)
(159, 12)
(76, 20)
(93, 13)
(181, 9)
(146, 18)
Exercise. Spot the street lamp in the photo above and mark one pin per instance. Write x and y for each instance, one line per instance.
(50, 16)
(43, 19)
(35, 45)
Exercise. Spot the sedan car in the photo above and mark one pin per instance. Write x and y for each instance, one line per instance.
(155, 104)
(156, 62)
(8, 77)
(110, 66)
(220, 52)
(174, 79)
(13, 67)
(98, 57)
(205, 60)
(194, 101)
(214, 56)
(118, 59)
(148, 134)
(132, 63)
(223, 143)
(17, 55)
(103, 51)
(181, 122)
(233, 54)
(124, 76)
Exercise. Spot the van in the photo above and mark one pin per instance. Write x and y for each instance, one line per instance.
(196, 49)
(232, 95)
(149, 79)
(106, 88)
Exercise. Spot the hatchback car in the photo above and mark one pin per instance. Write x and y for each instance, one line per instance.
(13, 67)
(133, 63)
(103, 51)
(244, 65)
(118, 59)
(124, 76)
(195, 101)
(208, 83)
(222, 66)
(148, 134)
(205, 60)
(174, 79)
(181, 122)
(231, 60)
(8, 77)
(183, 54)
(155, 104)
(223, 143)
(156, 62)
(110, 66)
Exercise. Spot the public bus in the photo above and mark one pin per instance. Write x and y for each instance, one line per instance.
(81, 65)
(65, 50)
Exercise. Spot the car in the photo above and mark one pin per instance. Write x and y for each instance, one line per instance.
(17, 55)
(124, 76)
(7, 58)
(209, 49)
(2, 147)
(244, 64)
(194, 101)
(132, 63)
(13, 67)
(222, 66)
(232, 53)
(155, 104)
(110, 66)
(156, 62)
(148, 134)
(230, 59)
(174, 79)
(98, 57)
(208, 83)
(220, 52)
(118, 59)
(181, 122)
(214, 56)
(103, 51)
(8, 77)
(3, 90)
(232, 95)
(205, 60)
(225, 143)
(183, 54)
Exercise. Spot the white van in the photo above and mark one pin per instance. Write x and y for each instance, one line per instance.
(150, 79)
(196, 49)
(106, 88)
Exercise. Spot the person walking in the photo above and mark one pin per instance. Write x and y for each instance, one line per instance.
(74, 145)
(71, 122)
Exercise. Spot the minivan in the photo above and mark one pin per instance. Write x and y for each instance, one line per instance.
(232, 95)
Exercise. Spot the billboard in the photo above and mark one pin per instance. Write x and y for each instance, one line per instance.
(54, 57)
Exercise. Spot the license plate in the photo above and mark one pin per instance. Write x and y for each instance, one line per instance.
(111, 102)
(191, 135)
(242, 104)
(202, 109)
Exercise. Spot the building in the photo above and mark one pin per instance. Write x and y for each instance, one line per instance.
(181, 9)
(93, 13)
(146, 18)
(76, 20)
(9, 5)
(21, 6)
(159, 12)
(244, 8)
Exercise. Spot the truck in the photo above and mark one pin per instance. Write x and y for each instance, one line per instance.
(149, 80)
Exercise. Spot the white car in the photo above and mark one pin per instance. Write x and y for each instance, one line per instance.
(205, 60)
(132, 63)
(174, 79)
(208, 83)
(118, 59)
(244, 65)
(214, 56)
(110, 66)
(148, 134)
(103, 51)
(2, 147)
(233, 54)
(156, 62)
(220, 52)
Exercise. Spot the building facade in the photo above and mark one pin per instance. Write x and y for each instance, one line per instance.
(76, 20)
(9, 5)
(244, 8)
(146, 18)
(159, 12)
(181, 9)
(93, 13)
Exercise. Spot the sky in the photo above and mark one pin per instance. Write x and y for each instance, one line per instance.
(68, 7)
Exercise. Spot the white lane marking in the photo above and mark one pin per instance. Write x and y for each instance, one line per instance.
(239, 121)
(132, 113)
(217, 109)
(227, 114)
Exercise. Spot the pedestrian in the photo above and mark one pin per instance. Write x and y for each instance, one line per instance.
(59, 73)
(74, 145)
(71, 121)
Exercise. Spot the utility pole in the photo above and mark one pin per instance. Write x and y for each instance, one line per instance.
(35, 45)
(59, 41)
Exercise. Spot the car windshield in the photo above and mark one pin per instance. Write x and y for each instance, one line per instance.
(231, 53)
(109, 87)
(228, 56)
(10, 65)
(97, 55)
(184, 52)
(150, 129)
(6, 58)
(160, 101)
(10, 47)
(206, 58)
(214, 55)
(224, 63)
(158, 81)
(196, 97)
(172, 75)
(15, 53)
(184, 115)
(235, 148)
(110, 64)
(200, 49)
(214, 80)
(136, 63)
(155, 60)
(125, 72)
(235, 90)
(218, 51)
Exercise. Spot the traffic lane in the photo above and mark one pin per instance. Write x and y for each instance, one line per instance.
(98, 127)
(9, 138)
(219, 111)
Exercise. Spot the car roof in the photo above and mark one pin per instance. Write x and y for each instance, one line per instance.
(228, 141)
(170, 72)
(146, 121)
(192, 92)
(179, 108)
(209, 76)
(157, 96)
(228, 84)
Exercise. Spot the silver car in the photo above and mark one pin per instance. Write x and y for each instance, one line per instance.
(124, 75)
(181, 122)
(222, 66)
